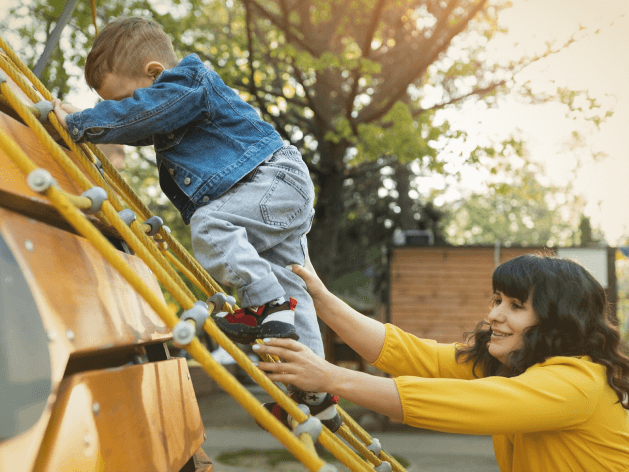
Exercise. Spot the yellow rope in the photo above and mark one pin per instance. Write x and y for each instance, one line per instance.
(135, 236)
(182, 299)
(199, 352)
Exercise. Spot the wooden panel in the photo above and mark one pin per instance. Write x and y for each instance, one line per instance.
(140, 417)
(12, 180)
(85, 306)
(16, 195)
(440, 293)
(77, 290)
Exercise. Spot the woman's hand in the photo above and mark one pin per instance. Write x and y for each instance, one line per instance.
(315, 287)
(300, 366)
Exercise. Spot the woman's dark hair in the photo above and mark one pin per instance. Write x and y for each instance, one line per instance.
(573, 320)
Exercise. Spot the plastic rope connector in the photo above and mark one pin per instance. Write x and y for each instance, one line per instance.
(183, 333)
(3, 77)
(198, 313)
(312, 426)
(167, 229)
(40, 180)
(384, 467)
(219, 299)
(43, 107)
(97, 195)
(99, 166)
(127, 216)
(375, 446)
(155, 222)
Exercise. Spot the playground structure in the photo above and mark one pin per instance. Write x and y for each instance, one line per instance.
(83, 360)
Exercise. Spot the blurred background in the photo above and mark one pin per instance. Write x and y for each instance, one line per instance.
(443, 124)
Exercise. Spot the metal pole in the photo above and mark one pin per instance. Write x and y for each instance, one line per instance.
(63, 20)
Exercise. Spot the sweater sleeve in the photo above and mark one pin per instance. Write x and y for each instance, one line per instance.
(560, 393)
(406, 354)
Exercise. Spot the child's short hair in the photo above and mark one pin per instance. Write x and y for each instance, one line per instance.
(124, 47)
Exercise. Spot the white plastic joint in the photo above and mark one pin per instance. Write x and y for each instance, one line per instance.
(3, 77)
(97, 195)
(40, 180)
(375, 446)
(312, 426)
(383, 467)
(43, 107)
(127, 215)
(198, 313)
(219, 299)
(99, 166)
(155, 222)
(183, 333)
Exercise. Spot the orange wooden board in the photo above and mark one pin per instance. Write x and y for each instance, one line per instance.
(12, 180)
(77, 290)
(137, 418)
(84, 303)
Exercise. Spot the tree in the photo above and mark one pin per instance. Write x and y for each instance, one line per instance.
(354, 84)
(516, 208)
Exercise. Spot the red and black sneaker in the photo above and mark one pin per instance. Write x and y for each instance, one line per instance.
(325, 411)
(271, 320)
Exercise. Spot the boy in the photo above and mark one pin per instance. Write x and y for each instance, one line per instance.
(247, 197)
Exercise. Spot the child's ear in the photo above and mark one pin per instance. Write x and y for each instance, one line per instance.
(154, 68)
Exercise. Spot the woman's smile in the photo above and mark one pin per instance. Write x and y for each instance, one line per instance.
(509, 319)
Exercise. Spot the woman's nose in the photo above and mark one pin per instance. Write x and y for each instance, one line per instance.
(496, 314)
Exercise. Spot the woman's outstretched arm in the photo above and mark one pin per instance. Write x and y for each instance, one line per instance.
(307, 371)
(363, 334)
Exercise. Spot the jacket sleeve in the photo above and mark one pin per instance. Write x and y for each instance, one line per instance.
(406, 354)
(159, 109)
(560, 393)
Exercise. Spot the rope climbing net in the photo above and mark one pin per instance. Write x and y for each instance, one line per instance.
(111, 200)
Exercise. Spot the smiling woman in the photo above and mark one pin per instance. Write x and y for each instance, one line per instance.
(543, 374)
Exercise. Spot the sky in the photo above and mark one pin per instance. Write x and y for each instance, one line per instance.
(597, 62)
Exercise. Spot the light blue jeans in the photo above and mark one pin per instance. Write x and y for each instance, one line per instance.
(246, 237)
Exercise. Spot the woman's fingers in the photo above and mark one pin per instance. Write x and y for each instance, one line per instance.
(283, 348)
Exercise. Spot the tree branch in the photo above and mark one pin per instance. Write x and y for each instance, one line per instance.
(411, 75)
(366, 50)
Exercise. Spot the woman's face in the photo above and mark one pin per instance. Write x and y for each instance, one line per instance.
(509, 318)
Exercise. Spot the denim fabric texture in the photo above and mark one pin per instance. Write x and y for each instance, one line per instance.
(247, 237)
(206, 137)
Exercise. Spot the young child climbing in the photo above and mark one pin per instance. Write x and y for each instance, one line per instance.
(247, 196)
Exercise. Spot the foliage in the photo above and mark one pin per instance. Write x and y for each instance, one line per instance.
(354, 84)
(516, 208)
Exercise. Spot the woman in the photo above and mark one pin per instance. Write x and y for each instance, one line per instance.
(543, 373)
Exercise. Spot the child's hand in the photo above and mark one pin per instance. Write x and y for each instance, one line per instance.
(62, 110)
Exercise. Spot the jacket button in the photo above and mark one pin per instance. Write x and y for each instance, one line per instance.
(171, 136)
(206, 199)
(172, 171)
(186, 181)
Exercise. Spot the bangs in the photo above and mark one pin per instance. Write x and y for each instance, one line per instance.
(516, 277)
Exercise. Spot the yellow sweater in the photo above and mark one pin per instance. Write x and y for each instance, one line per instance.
(559, 415)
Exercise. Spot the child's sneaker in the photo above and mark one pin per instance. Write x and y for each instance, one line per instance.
(275, 319)
(325, 411)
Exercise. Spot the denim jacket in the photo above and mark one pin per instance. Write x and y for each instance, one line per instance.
(206, 137)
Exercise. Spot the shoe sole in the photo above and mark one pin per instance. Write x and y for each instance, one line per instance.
(249, 335)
